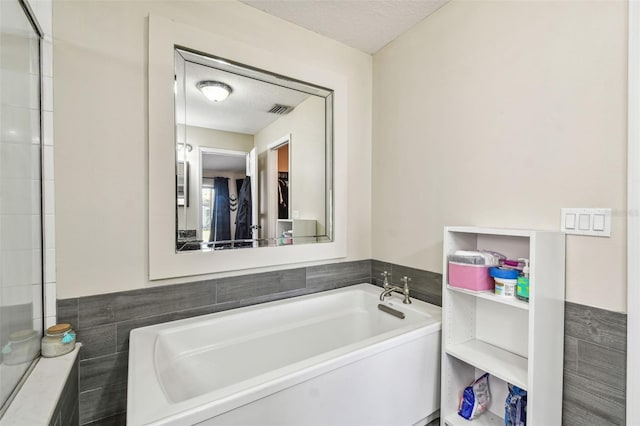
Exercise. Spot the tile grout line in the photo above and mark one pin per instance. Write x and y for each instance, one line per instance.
(600, 345)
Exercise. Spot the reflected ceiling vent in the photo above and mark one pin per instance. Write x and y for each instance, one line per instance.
(280, 109)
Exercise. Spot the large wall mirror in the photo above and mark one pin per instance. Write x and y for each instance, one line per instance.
(273, 154)
(254, 157)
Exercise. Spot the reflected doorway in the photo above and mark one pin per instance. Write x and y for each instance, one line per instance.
(279, 183)
(227, 197)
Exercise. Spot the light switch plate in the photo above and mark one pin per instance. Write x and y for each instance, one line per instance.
(582, 221)
(569, 221)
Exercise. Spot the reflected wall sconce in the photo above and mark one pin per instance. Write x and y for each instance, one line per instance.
(215, 91)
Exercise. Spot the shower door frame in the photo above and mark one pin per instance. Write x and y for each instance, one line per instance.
(633, 213)
(35, 25)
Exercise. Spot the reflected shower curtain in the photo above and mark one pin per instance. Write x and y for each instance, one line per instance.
(221, 215)
(243, 219)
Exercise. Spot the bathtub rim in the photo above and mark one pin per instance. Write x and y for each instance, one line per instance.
(199, 408)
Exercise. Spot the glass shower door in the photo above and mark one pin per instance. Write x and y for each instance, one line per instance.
(20, 197)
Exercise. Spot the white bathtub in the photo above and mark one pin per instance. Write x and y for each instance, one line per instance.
(331, 358)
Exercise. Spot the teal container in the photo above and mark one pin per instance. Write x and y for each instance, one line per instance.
(522, 288)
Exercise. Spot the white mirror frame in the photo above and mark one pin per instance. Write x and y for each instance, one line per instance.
(164, 262)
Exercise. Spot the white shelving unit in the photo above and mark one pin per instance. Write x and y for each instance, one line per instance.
(515, 342)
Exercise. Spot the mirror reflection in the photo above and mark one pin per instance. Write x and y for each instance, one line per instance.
(253, 157)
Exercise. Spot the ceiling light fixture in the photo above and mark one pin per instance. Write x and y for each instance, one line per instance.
(215, 91)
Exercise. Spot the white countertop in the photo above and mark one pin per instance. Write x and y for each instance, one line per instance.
(38, 398)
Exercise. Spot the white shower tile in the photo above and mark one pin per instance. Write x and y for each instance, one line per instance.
(36, 296)
(50, 266)
(16, 232)
(16, 161)
(16, 268)
(50, 231)
(36, 267)
(17, 295)
(11, 16)
(47, 162)
(34, 53)
(37, 324)
(20, 196)
(50, 299)
(19, 89)
(47, 58)
(36, 232)
(21, 125)
(49, 321)
(49, 197)
(47, 93)
(20, 232)
(50, 305)
(16, 196)
(20, 267)
(36, 196)
(19, 52)
(47, 127)
(36, 166)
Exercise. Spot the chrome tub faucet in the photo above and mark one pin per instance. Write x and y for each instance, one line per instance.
(388, 289)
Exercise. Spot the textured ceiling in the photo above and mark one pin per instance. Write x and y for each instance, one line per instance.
(244, 111)
(367, 25)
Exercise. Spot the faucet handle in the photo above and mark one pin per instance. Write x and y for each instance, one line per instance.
(385, 275)
(406, 280)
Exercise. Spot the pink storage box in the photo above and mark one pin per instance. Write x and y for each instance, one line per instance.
(470, 277)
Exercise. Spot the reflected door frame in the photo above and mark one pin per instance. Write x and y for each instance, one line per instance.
(252, 172)
(272, 182)
(199, 176)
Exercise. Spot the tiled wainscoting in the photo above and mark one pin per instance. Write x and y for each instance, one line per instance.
(595, 356)
(595, 353)
(425, 285)
(67, 410)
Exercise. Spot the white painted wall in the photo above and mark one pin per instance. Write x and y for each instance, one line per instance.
(100, 124)
(214, 138)
(305, 124)
(499, 114)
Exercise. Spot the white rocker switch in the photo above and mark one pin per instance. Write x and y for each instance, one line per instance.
(598, 222)
(570, 221)
(584, 222)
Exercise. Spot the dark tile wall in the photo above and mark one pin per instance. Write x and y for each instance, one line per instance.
(66, 412)
(595, 339)
(595, 357)
(424, 285)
